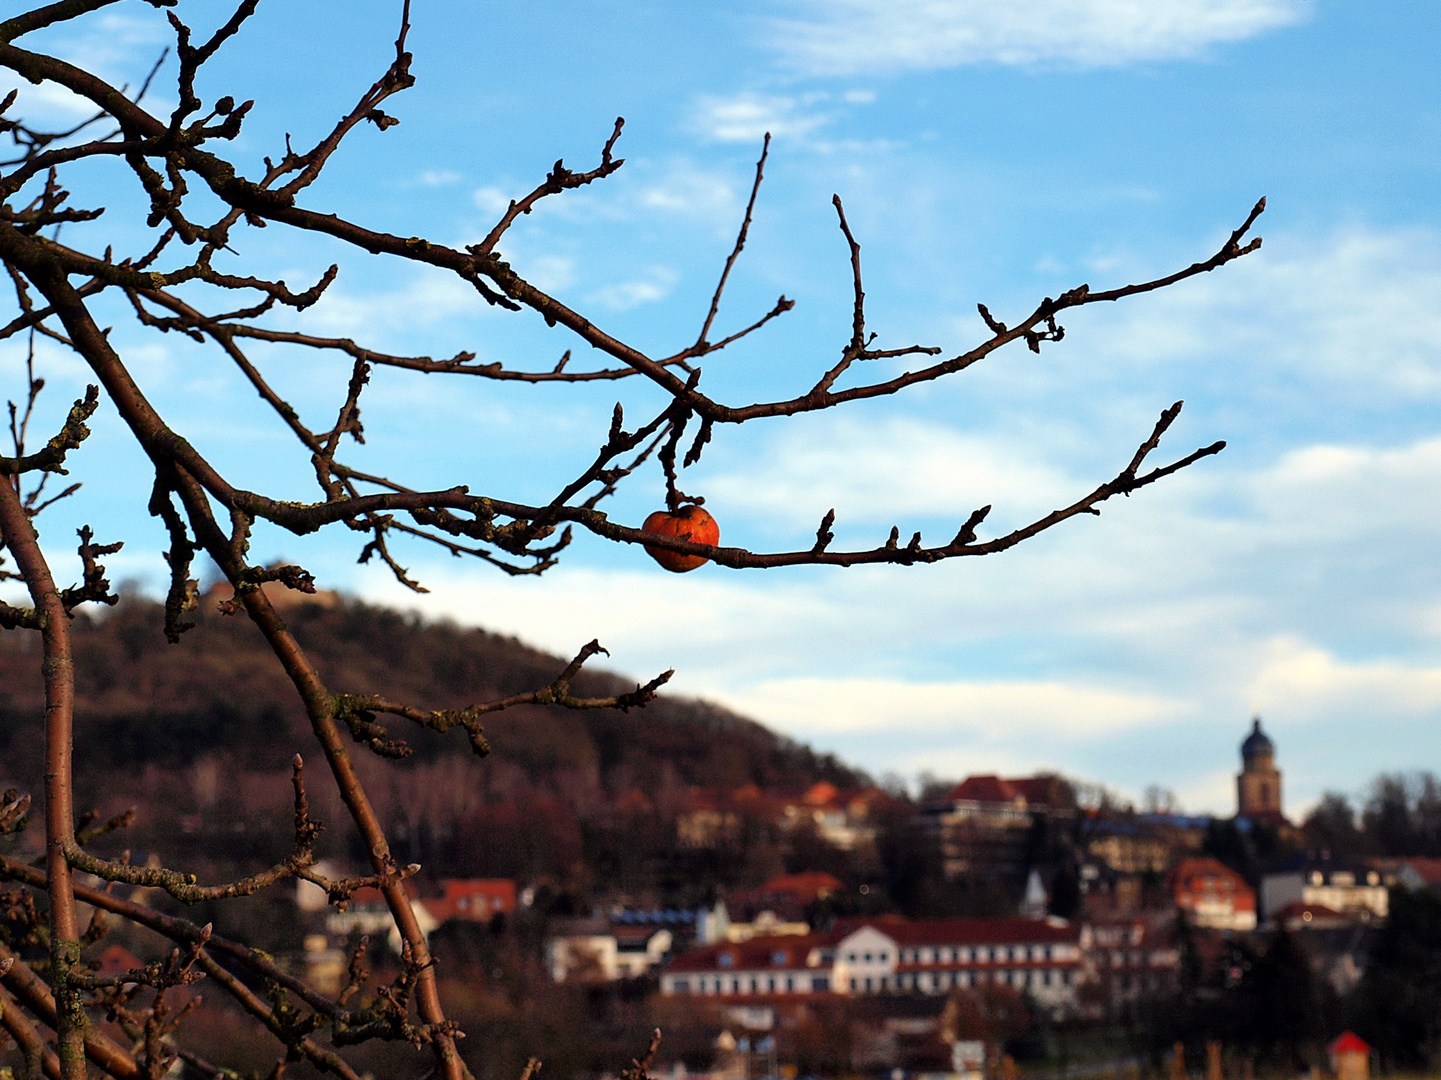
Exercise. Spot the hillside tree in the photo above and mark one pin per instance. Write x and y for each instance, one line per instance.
(192, 278)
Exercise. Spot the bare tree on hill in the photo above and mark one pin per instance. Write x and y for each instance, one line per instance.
(190, 278)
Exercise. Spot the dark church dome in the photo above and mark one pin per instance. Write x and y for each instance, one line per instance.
(1256, 743)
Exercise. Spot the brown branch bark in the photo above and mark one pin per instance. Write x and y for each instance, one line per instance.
(31, 990)
(59, 670)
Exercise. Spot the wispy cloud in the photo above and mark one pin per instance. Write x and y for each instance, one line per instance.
(749, 116)
(624, 295)
(118, 48)
(837, 37)
(964, 710)
(677, 188)
(885, 471)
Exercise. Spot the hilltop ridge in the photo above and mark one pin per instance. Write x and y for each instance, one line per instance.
(200, 736)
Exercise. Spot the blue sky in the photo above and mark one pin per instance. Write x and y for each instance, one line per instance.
(985, 152)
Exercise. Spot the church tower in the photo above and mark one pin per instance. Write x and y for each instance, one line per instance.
(1258, 788)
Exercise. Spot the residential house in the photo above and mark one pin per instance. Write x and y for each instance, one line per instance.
(469, 899)
(840, 818)
(1357, 890)
(1130, 959)
(595, 950)
(1419, 873)
(984, 824)
(780, 906)
(890, 955)
(1212, 895)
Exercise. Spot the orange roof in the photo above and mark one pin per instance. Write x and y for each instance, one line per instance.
(821, 794)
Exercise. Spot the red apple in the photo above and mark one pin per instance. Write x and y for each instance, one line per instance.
(688, 523)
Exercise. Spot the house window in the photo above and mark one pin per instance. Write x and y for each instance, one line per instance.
(778, 959)
(853, 984)
(790, 984)
(680, 986)
(868, 958)
(820, 983)
(726, 960)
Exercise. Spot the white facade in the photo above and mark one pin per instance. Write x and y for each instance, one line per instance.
(1357, 892)
(870, 960)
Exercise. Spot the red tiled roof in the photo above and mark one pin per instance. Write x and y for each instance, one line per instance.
(990, 789)
(1033, 790)
(967, 931)
(1429, 870)
(753, 955)
(1298, 909)
(804, 887)
(1206, 876)
(1350, 1043)
(1037, 790)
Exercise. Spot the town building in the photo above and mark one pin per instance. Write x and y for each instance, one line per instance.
(1128, 847)
(784, 901)
(596, 950)
(1297, 916)
(1417, 874)
(1129, 959)
(840, 818)
(1210, 894)
(1350, 1057)
(891, 955)
(1353, 890)
(984, 824)
(366, 912)
(1258, 786)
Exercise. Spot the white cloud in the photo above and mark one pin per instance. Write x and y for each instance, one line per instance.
(749, 117)
(439, 178)
(624, 295)
(549, 273)
(118, 48)
(428, 298)
(691, 192)
(676, 187)
(1302, 680)
(887, 470)
(835, 37)
(1356, 310)
(961, 710)
(491, 200)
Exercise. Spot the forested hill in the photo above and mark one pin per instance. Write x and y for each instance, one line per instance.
(220, 694)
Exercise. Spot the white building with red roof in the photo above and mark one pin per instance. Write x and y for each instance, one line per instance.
(1041, 957)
